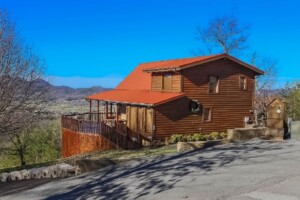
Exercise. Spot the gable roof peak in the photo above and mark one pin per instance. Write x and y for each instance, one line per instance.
(183, 63)
(179, 59)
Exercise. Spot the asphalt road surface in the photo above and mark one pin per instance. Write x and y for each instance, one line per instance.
(252, 170)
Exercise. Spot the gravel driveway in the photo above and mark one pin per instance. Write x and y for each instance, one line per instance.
(251, 170)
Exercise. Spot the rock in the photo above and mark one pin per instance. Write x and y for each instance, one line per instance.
(5, 177)
(65, 170)
(36, 173)
(16, 175)
(53, 170)
(187, 146)
(25, 174)
(45, 171)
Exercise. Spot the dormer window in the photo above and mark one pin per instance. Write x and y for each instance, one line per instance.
(167, 82)
(213, 85)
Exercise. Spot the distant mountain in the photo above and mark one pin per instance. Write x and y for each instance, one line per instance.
(67, 93)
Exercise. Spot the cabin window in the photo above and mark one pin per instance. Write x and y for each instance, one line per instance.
(167, 82)
(213, 85)
(207, 112)
(243, 83)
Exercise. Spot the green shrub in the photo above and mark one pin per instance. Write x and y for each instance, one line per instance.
(198, 137)
(176, 138)
(215, 135)
(188, 138)
(223, 135)
(208, 137)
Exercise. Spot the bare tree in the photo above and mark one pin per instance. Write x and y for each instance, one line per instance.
(227, 35)
(21, 97)
(264, 86)
(223, 35)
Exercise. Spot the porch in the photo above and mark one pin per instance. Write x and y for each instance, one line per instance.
(126, 126)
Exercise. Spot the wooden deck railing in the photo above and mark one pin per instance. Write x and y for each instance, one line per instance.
(115, 132)
(95, 117)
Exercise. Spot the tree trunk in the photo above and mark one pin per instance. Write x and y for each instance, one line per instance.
(22, 161)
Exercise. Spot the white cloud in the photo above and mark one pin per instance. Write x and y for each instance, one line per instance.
(83, 82)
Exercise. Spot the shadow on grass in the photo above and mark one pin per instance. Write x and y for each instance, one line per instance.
(150, 176)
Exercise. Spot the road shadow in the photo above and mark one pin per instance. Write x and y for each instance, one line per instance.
(135, 179)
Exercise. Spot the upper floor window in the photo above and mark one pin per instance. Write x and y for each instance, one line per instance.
(167, 82)
(213, 85)
(243, 83)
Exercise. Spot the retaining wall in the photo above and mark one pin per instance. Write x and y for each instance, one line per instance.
(240, 134)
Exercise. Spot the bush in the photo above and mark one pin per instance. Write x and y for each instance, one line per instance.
(198, 137)
(223, 135)
(176, 138)
(215, 135)
(208, 137)
(188, 138)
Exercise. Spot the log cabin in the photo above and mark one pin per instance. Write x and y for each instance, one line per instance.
(180, 96)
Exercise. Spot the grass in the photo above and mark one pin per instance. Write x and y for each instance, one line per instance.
(114, 155)
(29, 166)
(119, 155)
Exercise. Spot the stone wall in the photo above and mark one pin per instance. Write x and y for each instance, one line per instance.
(74, 143)
(241, 134)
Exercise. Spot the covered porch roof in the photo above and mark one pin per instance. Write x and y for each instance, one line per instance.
(135, 97)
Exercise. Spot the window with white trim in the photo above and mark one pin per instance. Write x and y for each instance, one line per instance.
(243, 83)
(213, 85)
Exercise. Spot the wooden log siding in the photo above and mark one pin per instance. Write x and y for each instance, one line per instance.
(157, 82)
(229, 106)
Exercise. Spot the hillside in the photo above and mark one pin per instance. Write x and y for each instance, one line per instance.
(64, 99)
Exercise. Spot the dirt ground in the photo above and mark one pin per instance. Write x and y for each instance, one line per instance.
(10, 188)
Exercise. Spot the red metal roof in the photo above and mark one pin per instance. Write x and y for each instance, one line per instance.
(139, 80)
(135, 88)
(136, 80)
(144, 97)
(184, 63)
(170, 64)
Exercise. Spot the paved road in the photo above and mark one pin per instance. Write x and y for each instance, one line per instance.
(252, 170)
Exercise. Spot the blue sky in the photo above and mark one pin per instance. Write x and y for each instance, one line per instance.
(98, 42)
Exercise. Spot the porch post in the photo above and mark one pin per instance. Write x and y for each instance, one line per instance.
(106, 110)
(153, 128)
(110, 114)
(90, 110)
(98, 111)
(117, 112)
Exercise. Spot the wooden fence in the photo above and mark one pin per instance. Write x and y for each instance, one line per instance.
(115, 132)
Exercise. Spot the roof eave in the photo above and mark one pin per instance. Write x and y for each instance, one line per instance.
(122, 102)
(139, 104)
(258, 71)
(171, 69)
